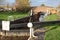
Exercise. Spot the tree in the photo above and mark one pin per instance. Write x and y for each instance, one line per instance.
(59, 6)
(42, 4)
(22, 4)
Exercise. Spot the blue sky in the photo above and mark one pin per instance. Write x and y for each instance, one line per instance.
(52, 3)
(11, 2)
(4, 2)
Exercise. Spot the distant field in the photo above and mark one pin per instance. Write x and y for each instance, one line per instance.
(16, 15)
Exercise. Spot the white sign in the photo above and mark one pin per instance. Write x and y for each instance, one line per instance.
(5, 25)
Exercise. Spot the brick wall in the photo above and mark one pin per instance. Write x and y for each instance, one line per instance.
(45, 9)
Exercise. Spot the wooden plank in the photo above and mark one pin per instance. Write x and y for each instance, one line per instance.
(35, 24)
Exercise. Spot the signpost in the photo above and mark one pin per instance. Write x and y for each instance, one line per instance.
(31, 29)
(5, 26)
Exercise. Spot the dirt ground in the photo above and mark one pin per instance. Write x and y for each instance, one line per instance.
(13, 38)
(39, 33)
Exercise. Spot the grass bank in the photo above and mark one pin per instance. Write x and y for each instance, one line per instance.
(53, 33)
(16, 15)
(52, 17)
(52, 30)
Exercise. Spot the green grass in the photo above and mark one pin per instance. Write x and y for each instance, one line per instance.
(16, 15)
(53, 33)
(51, 17)
(52, 30)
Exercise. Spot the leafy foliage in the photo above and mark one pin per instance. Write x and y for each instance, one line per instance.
(23, 5)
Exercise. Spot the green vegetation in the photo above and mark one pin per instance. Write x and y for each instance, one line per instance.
(16, 15)
(52, 30)
(51, 17)
(53, 33)
(23, 5)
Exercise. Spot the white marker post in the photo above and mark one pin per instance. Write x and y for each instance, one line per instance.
(30, 25)
(5, 26)
(31, 12)
(31, 30)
